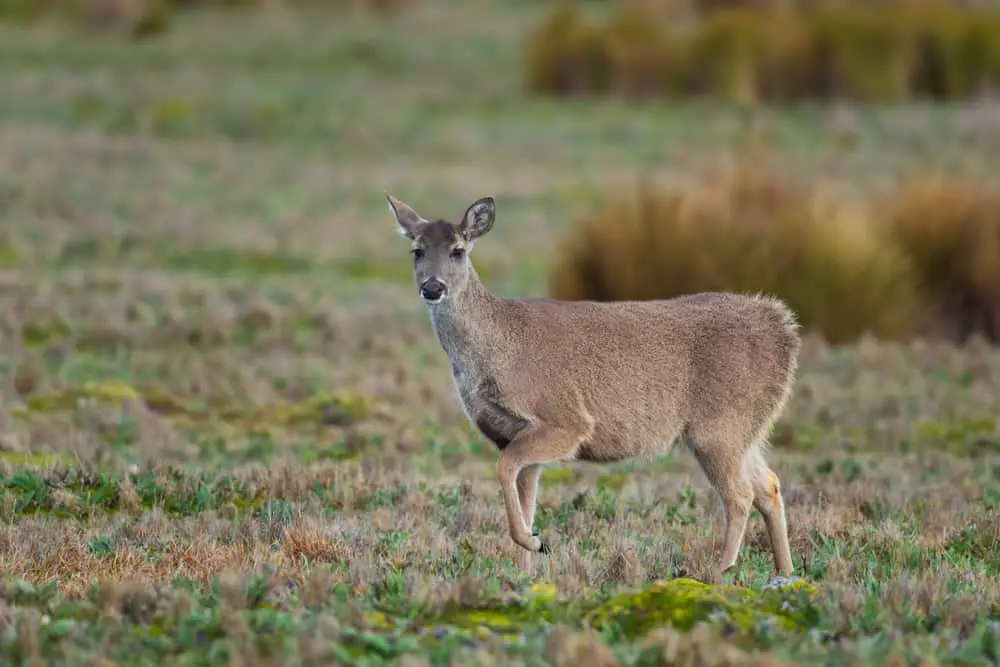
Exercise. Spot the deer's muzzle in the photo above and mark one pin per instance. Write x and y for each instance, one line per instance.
(433, 290)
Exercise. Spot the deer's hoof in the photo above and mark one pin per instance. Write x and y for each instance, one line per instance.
(543, 548)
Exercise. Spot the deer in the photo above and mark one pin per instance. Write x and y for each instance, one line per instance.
(550, 381)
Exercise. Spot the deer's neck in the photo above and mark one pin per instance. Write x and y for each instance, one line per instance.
(466, 326)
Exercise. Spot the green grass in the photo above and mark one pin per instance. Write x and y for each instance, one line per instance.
(226, 430)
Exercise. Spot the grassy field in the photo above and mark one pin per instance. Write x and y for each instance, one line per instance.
(228, 436)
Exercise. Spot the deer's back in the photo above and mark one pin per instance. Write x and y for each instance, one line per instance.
(644, 370)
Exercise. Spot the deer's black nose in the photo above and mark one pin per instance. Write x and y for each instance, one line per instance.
(432, 290)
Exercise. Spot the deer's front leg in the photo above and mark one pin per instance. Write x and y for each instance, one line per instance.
(533, 447)
(527, 492)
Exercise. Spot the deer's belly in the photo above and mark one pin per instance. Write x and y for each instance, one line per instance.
(612, 443)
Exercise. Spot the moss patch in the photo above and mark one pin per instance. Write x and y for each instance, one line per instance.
(334, 410)
(679, 603)
(35, 459)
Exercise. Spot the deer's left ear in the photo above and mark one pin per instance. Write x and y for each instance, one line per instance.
(478, 218)
(408, 220)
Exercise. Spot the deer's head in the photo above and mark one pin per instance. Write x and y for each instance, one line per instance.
(440, 249)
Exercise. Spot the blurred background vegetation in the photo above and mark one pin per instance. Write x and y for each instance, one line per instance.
(909, 251)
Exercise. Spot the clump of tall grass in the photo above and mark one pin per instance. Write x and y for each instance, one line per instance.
(748, 230)
(951, 231)
(924, 262)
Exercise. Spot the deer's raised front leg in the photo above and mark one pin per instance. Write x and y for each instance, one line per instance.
(534, 446)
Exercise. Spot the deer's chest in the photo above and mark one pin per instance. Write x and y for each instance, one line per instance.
(465, 380)
(484, 404)
(473, 388)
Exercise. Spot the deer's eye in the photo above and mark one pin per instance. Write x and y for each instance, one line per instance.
(418, 253)
(458, 253)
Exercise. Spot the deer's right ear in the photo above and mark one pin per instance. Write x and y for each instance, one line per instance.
(408, 220)
(478, 218)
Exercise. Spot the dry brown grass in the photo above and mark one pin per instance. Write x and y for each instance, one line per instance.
(866, 507)
(312, 540)
(951, 230)
(922, 262)
(875, 401)
(748, 229)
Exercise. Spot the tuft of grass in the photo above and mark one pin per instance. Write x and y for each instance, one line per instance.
(951, 231)
(923, 261)
(751, 231)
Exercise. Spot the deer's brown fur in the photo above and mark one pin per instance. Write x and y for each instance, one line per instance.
(552, 381)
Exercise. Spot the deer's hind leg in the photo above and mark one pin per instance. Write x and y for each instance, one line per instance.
(770, 504)
(721, 452)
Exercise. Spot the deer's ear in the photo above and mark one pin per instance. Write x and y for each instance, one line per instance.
(408, 220)
(478, 218)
